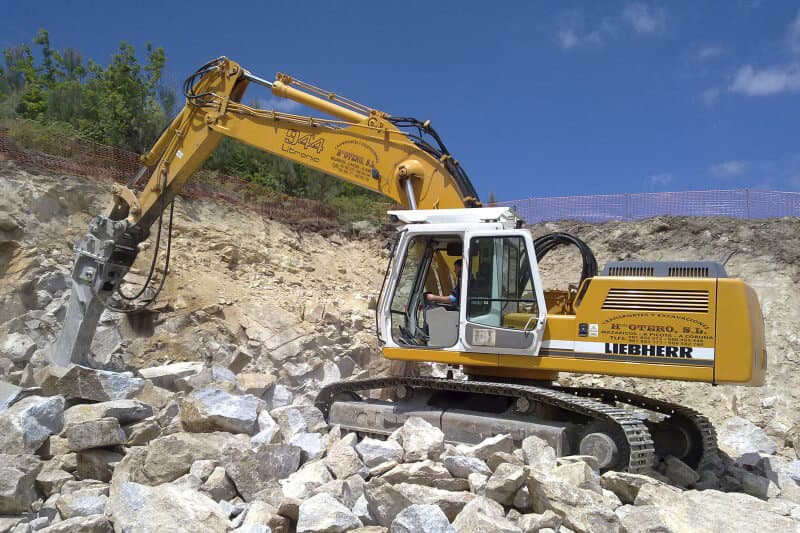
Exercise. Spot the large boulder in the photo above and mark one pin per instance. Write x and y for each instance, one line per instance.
(428, 518)
(171, 456)
(165, 376)
(126, 411)
(301, 484)
(384, 502)
(581, 509)
(27, 424)
(18, 483)
(738, 436)
(254, 471)
(96, 523)
(419, 439)
(324, 514)
(17, 347)
(504, 483)
(625, 485)
(422, 473)
(294, 420)
(212, 409)
(344, 462)
(95, 434)
(491, 445)
(167, 508)
(77, 382)
(539, 455)
(374, 452)
(451, 502)
(483, 514)
(461, 466)
(712, 511)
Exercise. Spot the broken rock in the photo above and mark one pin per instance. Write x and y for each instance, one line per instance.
(504, 483)
(167, 508)
(253, 471)
(419, 439)
(324, 514)
(428, 518)
(95, 434)
(212, 409)
(126, 411)
(374, 452)
(83, 383)
(27, 424)
(738, 436)
(18, 483)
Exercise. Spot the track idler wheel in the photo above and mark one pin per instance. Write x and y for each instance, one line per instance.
(606, 443)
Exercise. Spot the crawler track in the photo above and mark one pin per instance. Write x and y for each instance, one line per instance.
(706, 436)
(638, 445)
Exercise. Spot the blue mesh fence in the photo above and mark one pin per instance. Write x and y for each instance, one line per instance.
(742, 203)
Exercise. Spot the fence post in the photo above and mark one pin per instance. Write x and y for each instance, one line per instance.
(626, 204)
(747, 203)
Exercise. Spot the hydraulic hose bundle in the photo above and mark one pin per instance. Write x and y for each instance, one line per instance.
(545, 243)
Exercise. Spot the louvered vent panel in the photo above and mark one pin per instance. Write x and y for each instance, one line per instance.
(676, 301)
(688, 272)
(630, 271)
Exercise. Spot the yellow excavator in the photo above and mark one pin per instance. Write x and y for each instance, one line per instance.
(494, 322)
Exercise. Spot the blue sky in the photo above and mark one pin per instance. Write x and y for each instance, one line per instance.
(534, 98)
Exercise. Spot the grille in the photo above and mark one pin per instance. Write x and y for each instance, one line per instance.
(630, 271)
(688, 272)
(676, 301)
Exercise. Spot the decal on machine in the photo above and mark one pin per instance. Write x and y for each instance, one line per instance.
(646, 350)
(483, 337)
(357, 160)
(657, 329)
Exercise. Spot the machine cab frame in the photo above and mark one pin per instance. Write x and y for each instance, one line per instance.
(499, 305)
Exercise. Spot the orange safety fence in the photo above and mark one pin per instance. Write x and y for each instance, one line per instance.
(58, 152)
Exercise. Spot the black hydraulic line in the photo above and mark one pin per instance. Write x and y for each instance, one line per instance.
(542, 245)
(146, 302)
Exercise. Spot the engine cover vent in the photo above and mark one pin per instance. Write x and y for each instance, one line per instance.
(665, 269)
(675, 301)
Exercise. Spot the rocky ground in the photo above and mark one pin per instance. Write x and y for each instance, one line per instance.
(199, 414)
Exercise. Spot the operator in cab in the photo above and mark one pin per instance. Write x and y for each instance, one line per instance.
(454, 297)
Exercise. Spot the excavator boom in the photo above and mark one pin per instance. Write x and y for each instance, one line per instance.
(401, 158)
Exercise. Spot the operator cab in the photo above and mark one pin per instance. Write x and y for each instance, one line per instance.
(499, 306)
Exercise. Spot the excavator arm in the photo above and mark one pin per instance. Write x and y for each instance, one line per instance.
(356, 144)
(401, 158)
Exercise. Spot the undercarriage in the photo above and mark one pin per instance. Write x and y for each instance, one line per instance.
(622, 430)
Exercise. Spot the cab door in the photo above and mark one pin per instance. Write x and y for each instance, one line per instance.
(503, 308)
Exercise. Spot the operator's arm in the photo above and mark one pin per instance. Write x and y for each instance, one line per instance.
(435, 298)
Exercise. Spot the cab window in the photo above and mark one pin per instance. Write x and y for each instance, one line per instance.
(500, 290)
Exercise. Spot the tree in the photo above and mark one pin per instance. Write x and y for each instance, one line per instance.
(122, 104)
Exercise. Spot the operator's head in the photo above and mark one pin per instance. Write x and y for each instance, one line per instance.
(457, 267)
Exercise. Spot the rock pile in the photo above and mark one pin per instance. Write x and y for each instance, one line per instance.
(199, 415)
(214, 455)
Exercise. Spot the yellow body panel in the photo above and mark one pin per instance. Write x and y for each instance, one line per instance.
(691, 329)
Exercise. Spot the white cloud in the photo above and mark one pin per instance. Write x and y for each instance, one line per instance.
(707, 53)
(793, 37)
(279, 104)
(661, 180)
(766, 81)
(643, 19)
(710, 96)
(729, 169)
(573, 33)
(568, 38)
